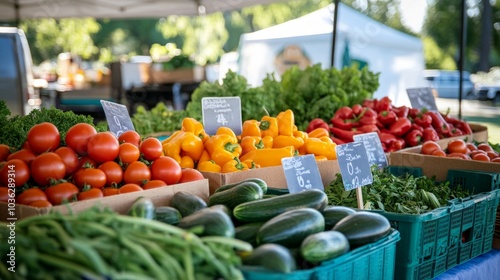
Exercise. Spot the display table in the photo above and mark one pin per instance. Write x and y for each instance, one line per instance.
(485, 266)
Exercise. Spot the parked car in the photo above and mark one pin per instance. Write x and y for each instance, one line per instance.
(487, 85)
(447, 82)
(16, 77)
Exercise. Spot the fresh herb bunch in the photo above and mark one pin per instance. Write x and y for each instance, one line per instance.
(254, 101)
(317, 93)
(181, 61)
(397, 194)
(15, 128)
(158, 119)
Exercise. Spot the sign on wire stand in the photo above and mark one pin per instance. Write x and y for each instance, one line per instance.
(421, 98)
(302, 173)
(117, 116)
(374, 150)
(354, 168)
(221, 111)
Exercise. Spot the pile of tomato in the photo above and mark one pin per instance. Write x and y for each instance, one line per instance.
(91, 165)
(458, 148)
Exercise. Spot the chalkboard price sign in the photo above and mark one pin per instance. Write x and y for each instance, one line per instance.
(302, 173)
(374, 150)
(354, 165)
(117, 116)
(421, 98)
(221, 111)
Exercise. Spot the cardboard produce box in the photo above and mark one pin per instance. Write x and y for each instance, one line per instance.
(119, 203)
(188, 75)
(274, 176)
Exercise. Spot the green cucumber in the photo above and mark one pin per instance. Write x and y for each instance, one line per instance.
(168, 215)
(265, 209)
(323, 246)
(268, 196)
(291, 227)
(222, 208)
(333, 214)
(187, 203)
(243, 192)
(214, 222)
(362, 228)
(142, 207)
(248, 232)
(273, 257)
(262, 184)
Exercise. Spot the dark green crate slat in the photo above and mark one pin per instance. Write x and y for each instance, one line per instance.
(474, 181)
(442, 237)
(404, 170)
(440, 265)
(455, 228)
(487, 243)
(421, 271)
(452, 258)
(477, 248)
(464, 252)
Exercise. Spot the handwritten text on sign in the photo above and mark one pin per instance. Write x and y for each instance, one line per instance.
(221, 111)
(354, 165)
(374, 149)
(302, 173)
(117, 116)
(421, 98)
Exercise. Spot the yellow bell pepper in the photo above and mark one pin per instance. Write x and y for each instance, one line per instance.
(286, 121)
(204, 157)
(323, 146)
(172, 147)
(192, 146)
(173, 136)
(234, 165)
(226, 130)
(194, 126)
(209, 166)
(187, 162)
(251, 164)
(268, 126)
(250, 128)
(222, 148)
(281, 141)
(250, 143)
(268, 156)
(318, 132)
(267, 141)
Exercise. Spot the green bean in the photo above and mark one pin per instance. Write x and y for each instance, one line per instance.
(188, 264)
(93, 257)
(64, 264)
(152, 224)
(232, 242)
(167, 261)
(130, 276)
(144, 256)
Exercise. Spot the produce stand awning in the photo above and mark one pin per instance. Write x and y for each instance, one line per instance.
(15, 10)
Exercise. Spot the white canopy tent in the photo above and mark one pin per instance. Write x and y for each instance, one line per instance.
(397, 56)
(11, 10)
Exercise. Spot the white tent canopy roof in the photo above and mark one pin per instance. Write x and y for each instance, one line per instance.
(28, 9)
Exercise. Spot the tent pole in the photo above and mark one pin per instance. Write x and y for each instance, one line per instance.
(18, 17)
(463, 39)
(334, 35)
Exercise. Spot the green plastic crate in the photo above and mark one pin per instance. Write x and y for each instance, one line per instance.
(404, 170)
(461, 221)
(474, 181)
(421, 237)
(372, 261)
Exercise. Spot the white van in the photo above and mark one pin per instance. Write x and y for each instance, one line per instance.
(446, 83)
(16, 77)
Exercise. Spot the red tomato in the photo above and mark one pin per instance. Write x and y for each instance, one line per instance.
(41, 204)
(458, 155)
(78, 137)
(14, 172)
(429, 146)
(113, 171)
(108, 191)
(190, 174)
(131, 187)
(93, 177)
(457, 146)
(166, 169)
(103, 147)
(31, 195)
(497, 159)
(5, 194)
(151, 148)
(86, 162)
(128, 153)
(485, 147)
(137, 172)
(471, 146)
(44, 137)
(130, 136)
(481, 157)
(90, 193)
(57, 194)
(70, 159)
(153, 184)
(438, 153)
(24, 154)
(492, 154)
(4, 152)
(47, 166)
(473, 153)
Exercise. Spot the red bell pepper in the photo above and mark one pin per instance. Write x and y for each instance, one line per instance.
(337, 140)
(344, 135)
(368, 128)
(415, 126)
(367, 117)
(413, 138)
(402, 111)
(400, 127)
(369, 103)
(413, 112)
(316, 123)
(396, 145)
(424, 120)
(344, 124)
(384, 104)
(387, 117)
(439, 124)
(344, 112)
(464, 127)
(357, 109)
(386, 138)
(430, 134)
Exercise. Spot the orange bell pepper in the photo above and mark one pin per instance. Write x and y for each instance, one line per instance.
(286, 121)
(267, 141)
(226, 130)
(268, 156)
(187, 162)
(194, 126)
(318, 132)
(281, 141)
(268, 126)
(250, 128)
(209, 166)
(323, 146)
(234, 165)
(222, 148)
(249, 143)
